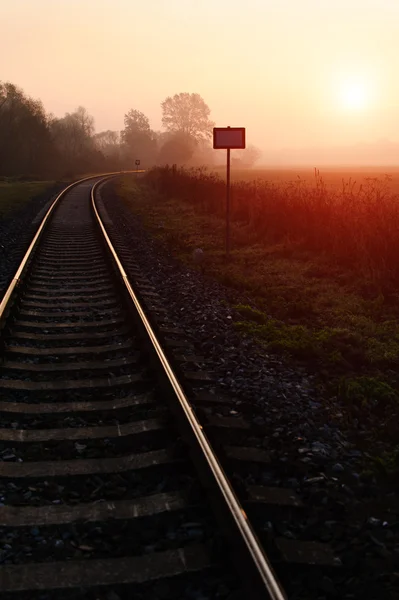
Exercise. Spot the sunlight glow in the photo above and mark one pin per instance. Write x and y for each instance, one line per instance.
(354, 95)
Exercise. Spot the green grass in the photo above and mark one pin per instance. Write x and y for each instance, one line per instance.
(13, 195)
(367, 392)
(336, 349)
(328, 346)
(387, 463)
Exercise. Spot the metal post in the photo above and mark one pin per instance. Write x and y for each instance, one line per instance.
(228, 204)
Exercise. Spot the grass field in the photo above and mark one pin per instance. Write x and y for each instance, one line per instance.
(334, 317)
(333, 177)
(13, 195)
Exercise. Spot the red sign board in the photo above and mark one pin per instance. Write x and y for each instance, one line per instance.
(225, 138)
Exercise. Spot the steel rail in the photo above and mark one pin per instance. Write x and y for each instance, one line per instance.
(259, 558)
(17, 277)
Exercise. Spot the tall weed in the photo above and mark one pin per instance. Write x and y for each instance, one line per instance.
(356, 225)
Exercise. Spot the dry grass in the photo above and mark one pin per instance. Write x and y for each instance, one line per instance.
(354, 225)
(332, 177)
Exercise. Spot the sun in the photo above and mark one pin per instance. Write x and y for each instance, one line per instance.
(354, 95)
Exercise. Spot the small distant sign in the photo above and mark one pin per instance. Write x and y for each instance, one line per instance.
(137, 162)
(225, 138)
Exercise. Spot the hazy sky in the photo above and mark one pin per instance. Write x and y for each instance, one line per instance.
(296, 73)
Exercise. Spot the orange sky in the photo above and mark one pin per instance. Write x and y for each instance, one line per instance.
(296, 73)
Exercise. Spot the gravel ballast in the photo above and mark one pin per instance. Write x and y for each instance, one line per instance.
(307, 435)
(17, 231)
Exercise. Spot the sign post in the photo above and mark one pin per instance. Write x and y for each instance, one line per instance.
(228, 138)
(137, 162)
(228, 203)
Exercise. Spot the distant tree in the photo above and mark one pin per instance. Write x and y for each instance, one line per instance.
(109, 144)
(248, 157)
(177, 148)
(105, 141)
(251, 155)
(135, 121)
(73, 138)
(187, 114)
(84, 120)
(203, 154)
(34, 143)
(25, 141)
(139, 138)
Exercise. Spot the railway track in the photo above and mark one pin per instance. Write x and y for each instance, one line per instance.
(109, 488)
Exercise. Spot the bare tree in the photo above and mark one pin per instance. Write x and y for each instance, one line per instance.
(108, 142)
(85, 121)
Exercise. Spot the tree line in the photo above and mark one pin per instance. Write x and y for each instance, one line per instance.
(36, 144)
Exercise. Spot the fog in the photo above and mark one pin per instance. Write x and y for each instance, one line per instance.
(312, 81)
